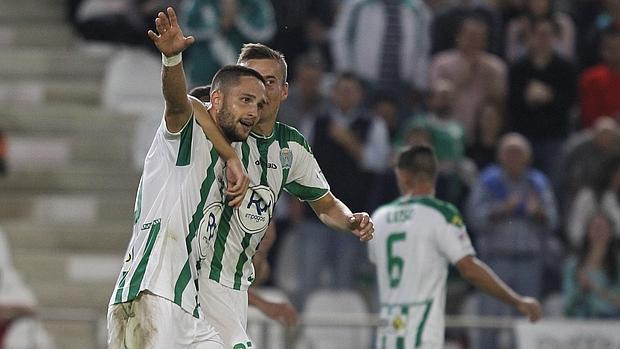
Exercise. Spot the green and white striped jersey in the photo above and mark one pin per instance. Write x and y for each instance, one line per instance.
(415, 240)
(177, 207)
(282, 161)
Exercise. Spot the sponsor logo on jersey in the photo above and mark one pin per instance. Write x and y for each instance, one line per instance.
(148, 225)
(286, 158)
(270, 165)
(398, 323)
(208, 227)
(255, 212)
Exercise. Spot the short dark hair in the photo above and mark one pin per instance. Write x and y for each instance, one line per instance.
(419, 160)
(230, 75)
(262, 51)
(203, 93)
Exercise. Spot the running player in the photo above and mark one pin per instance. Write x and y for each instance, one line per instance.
(417, 236)
(155, 301)
(277, 158)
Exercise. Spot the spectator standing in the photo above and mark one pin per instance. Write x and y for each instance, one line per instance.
(543, 88)
(599, 86)
(479, 78)
(386, 42)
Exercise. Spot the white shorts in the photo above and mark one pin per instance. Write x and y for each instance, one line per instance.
(153, 322)
(227, 310)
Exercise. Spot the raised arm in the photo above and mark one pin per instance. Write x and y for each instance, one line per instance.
(335, 214)
(171, 42)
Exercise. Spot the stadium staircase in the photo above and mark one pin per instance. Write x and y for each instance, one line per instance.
(66, 204)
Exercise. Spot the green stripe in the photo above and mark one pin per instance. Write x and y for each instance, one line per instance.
(283, 145)
(400, 343)
(303, 192)
(138, 208)
(220, 244)
(182, 282)
(243, 258)
(138, 276)
(263, 150)
(186, 276)
(245, 154)
(185, 149)
(287, 133)
(224, 228)
(418, 337)
(119, 290)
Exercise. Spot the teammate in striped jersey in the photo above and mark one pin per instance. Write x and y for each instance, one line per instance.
(155, 301)
(417, 236)
(277, 158)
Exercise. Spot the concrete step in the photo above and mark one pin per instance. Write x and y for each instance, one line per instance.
(55, 265)
(63, 119)
(75, 179)
(40, 35)
(72, 334)
(64, 294)
(40, 62)
(24, 11)
(109, 237)
(38, 152)
(68, 209)
(29, 91)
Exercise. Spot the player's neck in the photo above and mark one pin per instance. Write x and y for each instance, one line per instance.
(421, 188)
(265, 126)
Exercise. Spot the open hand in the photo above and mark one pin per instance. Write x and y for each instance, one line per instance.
(170, 40)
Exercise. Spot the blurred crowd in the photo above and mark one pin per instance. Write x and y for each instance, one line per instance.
(520, 99)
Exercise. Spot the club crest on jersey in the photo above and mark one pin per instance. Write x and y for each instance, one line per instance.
(208, 227)
(255, 212)
(286, 158)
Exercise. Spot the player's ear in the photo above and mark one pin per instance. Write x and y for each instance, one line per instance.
(284, 95)
(217, 100)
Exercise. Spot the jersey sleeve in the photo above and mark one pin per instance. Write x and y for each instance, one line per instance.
(305, 180)
(178, 145)
(454, 242)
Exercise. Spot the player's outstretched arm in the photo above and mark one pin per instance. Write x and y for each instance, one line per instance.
(170, 41)
(284, 313)
(481, 276)
(335, 214)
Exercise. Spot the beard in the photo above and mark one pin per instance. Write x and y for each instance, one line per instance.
(226, 121)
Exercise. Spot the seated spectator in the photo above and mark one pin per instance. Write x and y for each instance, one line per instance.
(519, 29)
(591, 279)
(512, 212)
(601, 196)
(438, 129)
(598, 86)
(583, 155)
(543, 88)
